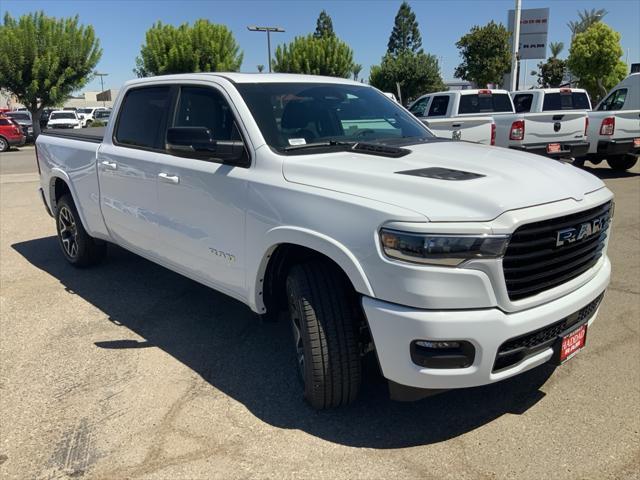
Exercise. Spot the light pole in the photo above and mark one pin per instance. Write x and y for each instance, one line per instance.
(101, 75)
(514, 47)
(253, 28)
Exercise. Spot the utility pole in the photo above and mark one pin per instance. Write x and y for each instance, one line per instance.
(101, 75)
(253, 28)
(515, 41)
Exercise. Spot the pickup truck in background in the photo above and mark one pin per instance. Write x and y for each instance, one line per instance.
(614, 126)
(452, 264)
(440, 112)
(539, 100)
(557, 135)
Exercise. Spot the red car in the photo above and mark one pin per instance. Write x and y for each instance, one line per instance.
(10, 134)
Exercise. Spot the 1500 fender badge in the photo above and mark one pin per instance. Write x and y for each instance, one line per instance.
(584, 230)
(223, 255)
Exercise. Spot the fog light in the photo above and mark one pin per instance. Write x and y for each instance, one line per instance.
(440, 345)
(442, 353)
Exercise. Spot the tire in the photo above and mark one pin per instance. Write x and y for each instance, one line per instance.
(579, 162)
(4, 144)
(78, 248)
(623, 162)
(324, 322)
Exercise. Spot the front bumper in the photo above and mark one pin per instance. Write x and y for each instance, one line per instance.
(567, 149)
(394, 327)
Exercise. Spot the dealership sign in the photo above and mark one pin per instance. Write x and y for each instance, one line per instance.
(534, 26)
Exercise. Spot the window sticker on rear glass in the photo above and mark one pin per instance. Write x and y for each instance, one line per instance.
(297, 141)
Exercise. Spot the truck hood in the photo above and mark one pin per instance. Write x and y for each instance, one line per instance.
(505, 179)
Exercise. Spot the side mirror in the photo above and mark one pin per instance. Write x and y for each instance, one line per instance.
(198, 142)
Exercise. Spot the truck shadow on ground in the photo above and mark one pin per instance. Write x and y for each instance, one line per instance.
(253, 362)
(603, 171)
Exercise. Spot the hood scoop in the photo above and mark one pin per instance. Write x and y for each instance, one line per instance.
(441, 173)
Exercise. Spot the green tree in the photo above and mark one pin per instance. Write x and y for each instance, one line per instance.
(315, 56)
(594, 57)
(356, 69)
(405, 34)
(44, 59)
(417, 74)
(324, 26)
(551, 73)
(586, 18)
(485, 54)
(260, 68)
(203, 47)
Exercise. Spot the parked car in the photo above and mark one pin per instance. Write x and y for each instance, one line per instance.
(88, 114)
(540, 100)
(102, 116)
(458, 264)
(467, 115)
(23, 118)
(614, 126)
(11, 134)
(64, 119)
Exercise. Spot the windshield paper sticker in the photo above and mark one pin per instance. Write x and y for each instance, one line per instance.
(297, 141)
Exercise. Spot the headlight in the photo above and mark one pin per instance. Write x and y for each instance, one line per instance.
(437, 249)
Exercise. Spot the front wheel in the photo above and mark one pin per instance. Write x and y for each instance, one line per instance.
(623, 162)
(78, 247)
(325, 333)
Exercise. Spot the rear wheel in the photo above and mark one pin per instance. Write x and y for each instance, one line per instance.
(325, 334)
(4, 145)
(78, 247)
(622, 162)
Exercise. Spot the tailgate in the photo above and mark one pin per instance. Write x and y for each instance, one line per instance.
(469, 129)
(627, 124)
(554, 127)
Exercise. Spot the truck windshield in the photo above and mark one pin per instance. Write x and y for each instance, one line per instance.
(294, 114)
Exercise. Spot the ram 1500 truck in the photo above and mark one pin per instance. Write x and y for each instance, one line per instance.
(614, 126)
(552, 134)
(455, 264)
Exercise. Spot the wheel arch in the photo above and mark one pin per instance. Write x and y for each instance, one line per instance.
(59, 185)
(287, 246)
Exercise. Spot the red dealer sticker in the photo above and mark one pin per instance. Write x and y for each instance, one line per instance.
(636, 142)
(573, 343)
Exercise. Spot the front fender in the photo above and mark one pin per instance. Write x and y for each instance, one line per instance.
(313, 240)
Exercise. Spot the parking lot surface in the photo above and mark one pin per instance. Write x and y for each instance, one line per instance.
(128, 370)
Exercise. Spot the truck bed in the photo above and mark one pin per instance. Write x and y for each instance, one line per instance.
(91, 134)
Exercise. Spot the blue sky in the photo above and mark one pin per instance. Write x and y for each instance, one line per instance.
(364, 24)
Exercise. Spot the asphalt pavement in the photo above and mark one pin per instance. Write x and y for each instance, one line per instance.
(128, 370)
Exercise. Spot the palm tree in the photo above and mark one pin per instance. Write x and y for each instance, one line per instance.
(556, 48)
(260, 68)
(356, 69)
(586, 19)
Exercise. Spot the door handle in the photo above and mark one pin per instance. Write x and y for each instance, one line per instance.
(166, 178)
(109, 165)
(456, 125)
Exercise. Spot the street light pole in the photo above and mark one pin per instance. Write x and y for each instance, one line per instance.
(515, 45)
(253, 28)
(101, 75)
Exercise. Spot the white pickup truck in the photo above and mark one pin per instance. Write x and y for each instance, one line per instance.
(488, 117)
(614, 126)
(454, 264)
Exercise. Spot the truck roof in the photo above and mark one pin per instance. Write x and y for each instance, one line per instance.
(236, 77)
(550, 90)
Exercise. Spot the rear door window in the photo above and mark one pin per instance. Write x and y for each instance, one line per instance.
(615, 101)
(485, 103)
(439, 106)
(522, 102)
(143, 117)
(565, 101)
